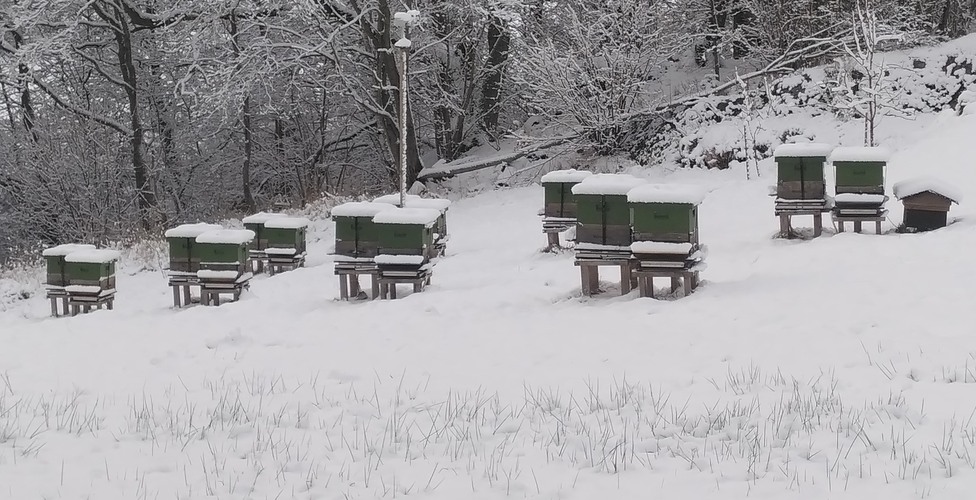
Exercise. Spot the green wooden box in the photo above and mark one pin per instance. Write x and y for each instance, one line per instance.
(94, 268)
(286, 232)
(356, 235)
(859, 177)
(182, 246)
(800, 178)
(603, 219)
(414, 201)
(54, 260)
(224, 250)
(668, 222)
(406, 231)
(256, 223)
(558, 188)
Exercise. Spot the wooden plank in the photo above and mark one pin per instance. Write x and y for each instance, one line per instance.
(817, 224)
(176, 296)
(784, 226)
(186, 295)
(343, 287)
(675, 283)
(878, 226)
(689, 283)
(857, 226)
(624, 279)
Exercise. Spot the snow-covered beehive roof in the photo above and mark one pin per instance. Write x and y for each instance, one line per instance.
(860, 154)
(607, 184)
(227, 236)
(359, 209)
(911, 187)
(190, 230)
(570, 175)
(394, 199)
(424, 216)
(803, 150)
(287, 223)
(414, 201)
(261, 217)
(90, 256)
(65, 249)
(666, 193)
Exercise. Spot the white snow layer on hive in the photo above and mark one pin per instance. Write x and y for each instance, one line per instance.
(227, 236)
(570, 175)
(399, 260)
(84, 289)
(280, 251)
(394, 199)
(89, 256)
(918, 185)
(359, 209)
(666, 193)
(660, 247)
(260, 217)
(190, 230)
(209, 274)
(65, 249)
(805, 149)
(860, 154)
(425, 216)
(287, 223)
(860, 198)
(607, 184)
(414, 201)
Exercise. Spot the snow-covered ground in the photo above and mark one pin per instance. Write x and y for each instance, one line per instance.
(836, 367)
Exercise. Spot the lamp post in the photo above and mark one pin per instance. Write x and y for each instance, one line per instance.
(403, 20)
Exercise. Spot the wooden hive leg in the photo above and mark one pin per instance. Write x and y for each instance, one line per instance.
(64, 304)
(74, 309)
(594, 277)
(215, 297)
(784, 225)
(625, 279)
(54, 306)
(186, 295)
(553, 239)
(110, 304)
(343, 286)
(689, 282)
(374, 286)
(87, 309)
(650, 285)
(877, 226)
(353, 285)
(675, 283)
(418, 285)
(176, 295)
(631, 269)
(817, 224)
(584, 280)
(857, 226)
(642, 286)
(392, 286)
(840, 226)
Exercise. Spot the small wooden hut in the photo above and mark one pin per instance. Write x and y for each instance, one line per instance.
(859, 186)
(926, 202)
(224, 267)
(406, 246)
(54, 257)
(182, 246)
(255, 223)
(800, 186)
(286, 247)
(91, 279)
(414, 201)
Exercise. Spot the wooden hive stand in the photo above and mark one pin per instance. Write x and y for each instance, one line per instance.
(356, 244)
(927, 202)
(859, 191)
(286, 247)
(665, 219)
(404, 254)
(603, 232)
(57, 277)
(91, 279)
(559, 213)
(224, 265)
(257, 258)
(184, 259)
(800, 186)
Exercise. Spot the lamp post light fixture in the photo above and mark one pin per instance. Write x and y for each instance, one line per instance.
(403, 20)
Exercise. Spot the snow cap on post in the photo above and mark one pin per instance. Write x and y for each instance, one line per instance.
(803, 149)
(666, 193)
(911, 187)
(860, 154)
(65, 249)
(570, 175)
(396, 215)
(190, 230)
(359, 209)
(227, 237)
(607, 184)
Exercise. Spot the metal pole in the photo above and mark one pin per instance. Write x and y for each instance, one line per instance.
(403, 121)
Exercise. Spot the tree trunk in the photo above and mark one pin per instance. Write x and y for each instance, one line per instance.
(499, 45)
(248, 156)
(26, 104)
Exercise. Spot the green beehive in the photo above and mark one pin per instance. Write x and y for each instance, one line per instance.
(800, 171)
(859, 170)
(602, 211)
(255, 223)
(406, 231)
(665, 212)
(91, 268)
(224, 251)
(286, 233)
(414, 201)
(355, 232)
(183, 256)
(558, 187)
(54, 258)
